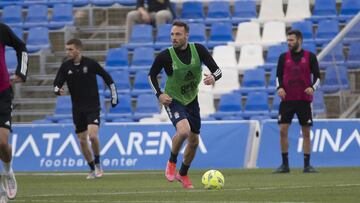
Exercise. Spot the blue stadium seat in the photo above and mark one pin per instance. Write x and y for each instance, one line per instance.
(349, 8)
(324, 9)
(192, 11)
(63, 108)
(253, 80)
(18, 32)
(220, 34)
(102, 3)
(81, 3)
(334, 57)
(38, 39)
(327, 30)
(336, 79)
(62, 16)
(42, 121)
(229, 105)
(117, 59)
(126, 2)
(353, 35)
(143, 58)
(353, 60)
(146, 106)
(243, 11)
(37, 16)
(11, 60)
(271, 86)
(141, 84)
(232, 118)
(141, 35)
(28, 3)
(122, 83)
(122, 110)
(306, 27)
(309, 47)
(12, 16)
(272, 56)
(197, 33)
(256, 104)
(4, 3)
(52, 3)
(218, 11)
(163, 36)
(318, 103)
(274, 111)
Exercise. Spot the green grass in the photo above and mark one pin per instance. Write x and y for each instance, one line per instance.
(255, 185)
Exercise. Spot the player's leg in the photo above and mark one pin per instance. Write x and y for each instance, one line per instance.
(95, 145)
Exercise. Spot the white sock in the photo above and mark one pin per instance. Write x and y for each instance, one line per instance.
(7, 166)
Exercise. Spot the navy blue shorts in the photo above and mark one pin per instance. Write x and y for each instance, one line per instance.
(176, 112)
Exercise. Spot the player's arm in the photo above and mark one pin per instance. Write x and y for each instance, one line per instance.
(109, 82)
(59, 81)
(209, 61)
(315, 70)
(280, 76)
(10, 39)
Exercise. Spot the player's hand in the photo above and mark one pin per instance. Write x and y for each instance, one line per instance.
(209, 79)
(165, 99)
(281, 92)
(16, 79)
(309, 91)
(114, 102)
(59, 91)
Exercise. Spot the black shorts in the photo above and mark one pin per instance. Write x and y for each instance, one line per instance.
(191, 112)
(6, 108)
(84, 118)
(302, 109)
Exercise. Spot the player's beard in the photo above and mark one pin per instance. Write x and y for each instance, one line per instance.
(294, 48)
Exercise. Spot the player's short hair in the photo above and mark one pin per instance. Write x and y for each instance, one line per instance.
(297, 33)
(181, 24)
(76, 42)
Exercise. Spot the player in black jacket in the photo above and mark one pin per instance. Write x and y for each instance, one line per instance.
(79, 73)
(8, 38)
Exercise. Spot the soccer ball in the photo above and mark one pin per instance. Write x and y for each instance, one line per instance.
(213, 180)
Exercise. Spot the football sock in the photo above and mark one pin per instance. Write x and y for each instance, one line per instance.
(92, 165)
(97, 159)
(306, 160)
(173, 158)
(285, 159)
(184, 169)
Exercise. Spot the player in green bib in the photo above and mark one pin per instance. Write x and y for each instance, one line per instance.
(182, 64)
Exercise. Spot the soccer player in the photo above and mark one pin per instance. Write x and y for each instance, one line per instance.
(79, 72)
(8, 38)
(182, 64)
(295, 69)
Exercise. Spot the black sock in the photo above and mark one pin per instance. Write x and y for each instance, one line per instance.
(306, 160)
(92, 165)
(184, 169)
(173, 158)
(97, 159)
(285, 159)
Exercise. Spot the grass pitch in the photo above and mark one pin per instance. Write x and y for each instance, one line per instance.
(251, 185)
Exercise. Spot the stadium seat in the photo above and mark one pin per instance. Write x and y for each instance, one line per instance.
(41, 121)
(243, 11)
(324, 9)
(102, 3)
(122, 120)
(225, 56)
(18, 32)
(273, 33)
(218, 11)
(141, 84)
(306, 28)
(146, 106)
(12, 16)
(273, 54)
(271, 86)
(141, 36)
(122, 83)
(271, 11)
(38, 39)
(122, 110)
(28, 3)
(126, 2)
(37, 16)
(4, 3)
(143, 58)
(327, 30)
(192, 12)
(353, 35)
(81, 3)
(274, 111)
(11, 60)
(256, 104)
(117, 59)
(247, 33)
(206, 101)
(62, 16)
(197, 33)
(232, 118)
(253, 80)
(220, 34)
(297, 10)
(52, 3)
(229, 105)
(349, 8)
(334, 57)
(318, 103)
(251, 56)
(63, 108)
(353, 60)
(228, 82)
(163, 37)
(336, 79)
(310, 47)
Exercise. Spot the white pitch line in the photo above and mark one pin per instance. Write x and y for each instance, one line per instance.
(186, 191)
(84, 173)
